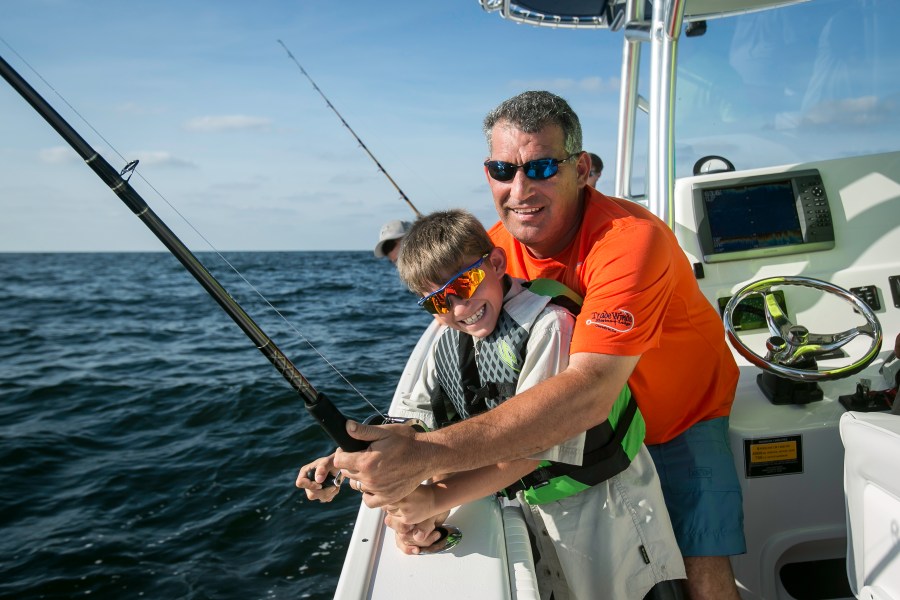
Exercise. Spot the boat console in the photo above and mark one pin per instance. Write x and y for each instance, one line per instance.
(837, 222)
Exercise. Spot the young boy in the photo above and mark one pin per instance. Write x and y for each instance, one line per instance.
(596, 508)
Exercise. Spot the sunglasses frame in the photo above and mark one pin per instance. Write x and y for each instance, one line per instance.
(529, 166)
(422, 301)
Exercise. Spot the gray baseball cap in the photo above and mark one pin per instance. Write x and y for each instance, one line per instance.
(392, 230)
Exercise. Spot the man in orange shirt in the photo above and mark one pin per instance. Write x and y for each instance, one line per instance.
(644, 321)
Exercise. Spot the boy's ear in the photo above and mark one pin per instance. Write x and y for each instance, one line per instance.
(498, 261)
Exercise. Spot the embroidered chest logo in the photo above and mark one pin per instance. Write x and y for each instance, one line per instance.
(619, 320)
(508, 356)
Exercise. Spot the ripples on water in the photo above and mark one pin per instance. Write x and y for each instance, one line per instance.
(147, 449)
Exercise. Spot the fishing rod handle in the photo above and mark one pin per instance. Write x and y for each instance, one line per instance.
(334, 423)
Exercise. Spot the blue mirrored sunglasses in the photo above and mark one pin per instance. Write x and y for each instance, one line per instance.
(539, 169)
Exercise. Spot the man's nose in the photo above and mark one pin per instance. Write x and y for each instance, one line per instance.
(521, 184)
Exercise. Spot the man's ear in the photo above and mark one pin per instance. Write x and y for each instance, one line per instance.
(583, 168)
(497, 259)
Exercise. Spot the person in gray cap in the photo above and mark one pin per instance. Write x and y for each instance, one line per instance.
(389, 240)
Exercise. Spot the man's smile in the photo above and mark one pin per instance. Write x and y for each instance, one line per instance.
(526, 211)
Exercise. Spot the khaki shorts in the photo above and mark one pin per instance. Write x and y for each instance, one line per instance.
(614, 540)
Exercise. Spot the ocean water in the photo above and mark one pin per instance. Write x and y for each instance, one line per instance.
(149, 450)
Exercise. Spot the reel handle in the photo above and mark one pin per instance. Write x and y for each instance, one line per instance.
(330, 481)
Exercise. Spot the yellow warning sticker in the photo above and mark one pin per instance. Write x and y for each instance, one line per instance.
(773, 451)
(773, 456)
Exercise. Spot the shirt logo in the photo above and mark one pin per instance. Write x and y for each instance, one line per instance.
(508, 356)
(619, 320)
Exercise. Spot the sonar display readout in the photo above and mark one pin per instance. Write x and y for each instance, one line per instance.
(753, 216)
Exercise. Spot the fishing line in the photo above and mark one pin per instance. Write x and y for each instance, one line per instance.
(131, 168)
(350, 129)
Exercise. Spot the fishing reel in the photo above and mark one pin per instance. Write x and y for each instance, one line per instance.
(450, 535)
(377, 419)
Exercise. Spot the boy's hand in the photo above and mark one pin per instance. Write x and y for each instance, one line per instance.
(413, 539)
(415, 508)
(321, 468)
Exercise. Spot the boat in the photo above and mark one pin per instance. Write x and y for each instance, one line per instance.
(810, 243)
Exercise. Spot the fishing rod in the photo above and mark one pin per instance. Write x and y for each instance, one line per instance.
(317, 403)
(350, 129)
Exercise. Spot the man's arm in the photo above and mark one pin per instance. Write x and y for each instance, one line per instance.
(398, 459)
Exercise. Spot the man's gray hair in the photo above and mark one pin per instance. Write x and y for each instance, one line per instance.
(531, 112)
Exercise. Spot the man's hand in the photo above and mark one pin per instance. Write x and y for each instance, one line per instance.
(393, 465)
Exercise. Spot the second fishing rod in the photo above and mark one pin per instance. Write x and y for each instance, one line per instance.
(350, 129)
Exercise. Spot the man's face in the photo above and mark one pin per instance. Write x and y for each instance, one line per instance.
(542, 214)
(394, 253)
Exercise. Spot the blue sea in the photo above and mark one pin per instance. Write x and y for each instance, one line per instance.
(149, 450)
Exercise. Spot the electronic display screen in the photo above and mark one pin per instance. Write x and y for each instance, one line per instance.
(742, 217)
(753, 216)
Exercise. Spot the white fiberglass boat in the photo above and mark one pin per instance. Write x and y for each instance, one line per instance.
(764, 132)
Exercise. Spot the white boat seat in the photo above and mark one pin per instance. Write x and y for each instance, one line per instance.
(872, 492)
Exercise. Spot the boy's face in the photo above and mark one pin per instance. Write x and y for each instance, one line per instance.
(477, 315)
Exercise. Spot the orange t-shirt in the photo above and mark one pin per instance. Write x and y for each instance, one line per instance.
(640, 298)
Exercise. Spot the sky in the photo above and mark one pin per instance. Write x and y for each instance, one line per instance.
(236, 144)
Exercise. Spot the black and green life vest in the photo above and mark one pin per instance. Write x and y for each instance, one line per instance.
(472, 382)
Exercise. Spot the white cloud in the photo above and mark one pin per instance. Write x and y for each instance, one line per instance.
(561, 85)
(159, 158)
(863, 110)
(212, 124)
(58, 155)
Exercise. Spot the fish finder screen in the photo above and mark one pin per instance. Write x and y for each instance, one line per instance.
(752, 216)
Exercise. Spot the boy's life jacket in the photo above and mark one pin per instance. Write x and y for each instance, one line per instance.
(471, 383)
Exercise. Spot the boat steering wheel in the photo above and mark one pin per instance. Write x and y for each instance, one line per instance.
(789, 344)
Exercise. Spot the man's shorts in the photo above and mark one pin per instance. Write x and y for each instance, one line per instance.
(703, 495)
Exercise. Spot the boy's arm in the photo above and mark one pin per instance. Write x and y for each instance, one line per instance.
(416, 402)
(458, 488)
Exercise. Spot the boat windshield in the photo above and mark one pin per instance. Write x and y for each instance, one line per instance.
(806, 82)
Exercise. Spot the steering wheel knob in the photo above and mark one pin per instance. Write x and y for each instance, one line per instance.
(776, 345)
(799, 334)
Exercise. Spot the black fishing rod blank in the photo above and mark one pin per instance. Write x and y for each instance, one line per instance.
(317, 403)
(350, 129)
